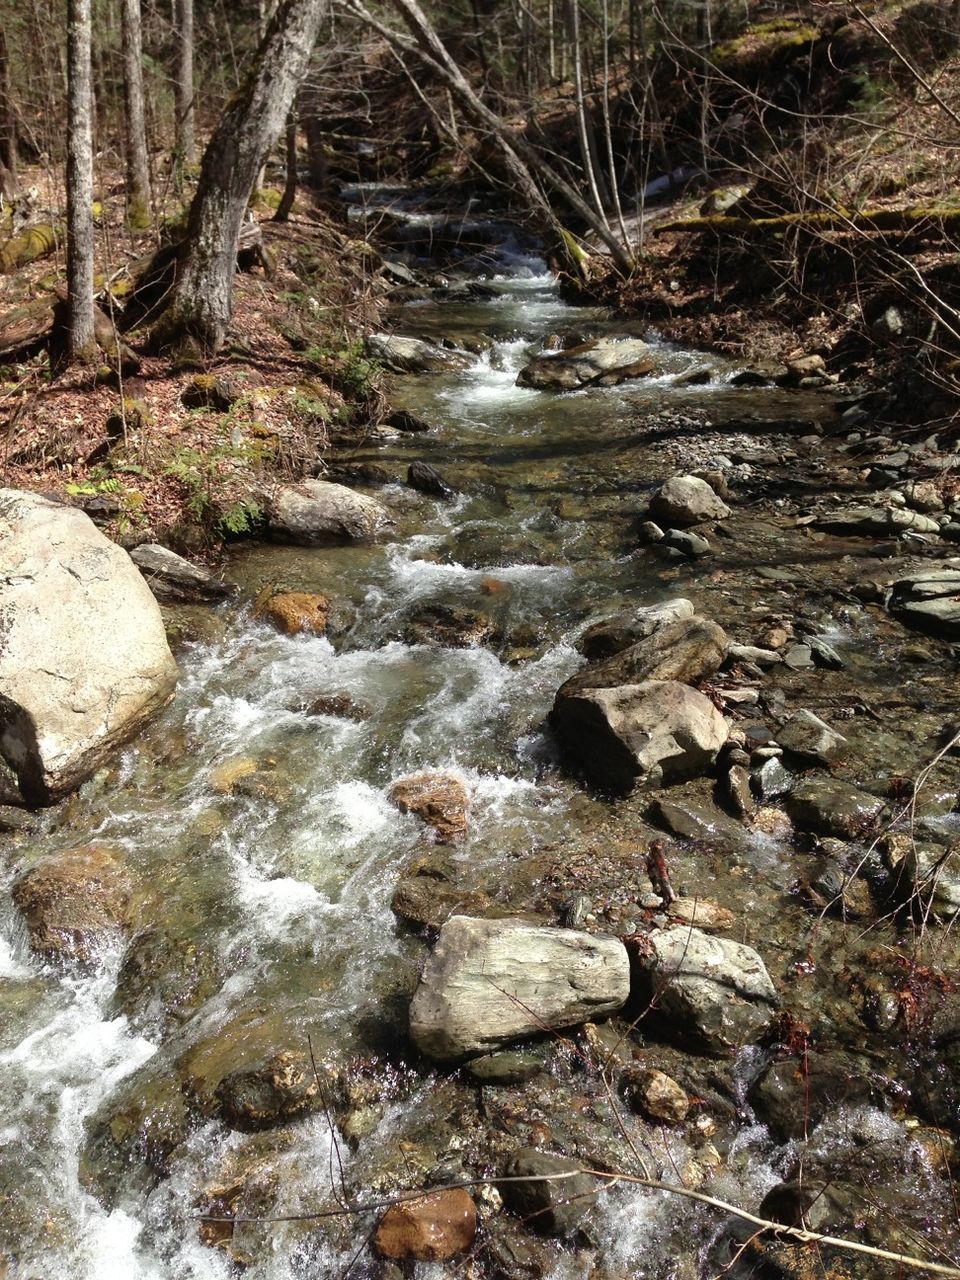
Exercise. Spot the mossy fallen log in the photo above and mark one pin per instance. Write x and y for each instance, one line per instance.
(29, 245)
(932, 219)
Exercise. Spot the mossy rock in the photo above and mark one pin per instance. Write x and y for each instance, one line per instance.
(208, 391)
(134, 416)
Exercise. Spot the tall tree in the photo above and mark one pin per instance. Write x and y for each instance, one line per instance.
(202, 299)
(138, 166)
(183, 84)
(81, 342)
(8, 126)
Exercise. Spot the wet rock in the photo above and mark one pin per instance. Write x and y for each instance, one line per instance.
(687, 543)
(754, 654)
(165, 975)
(927, 879)
(84, 662)
(604, 639)
(701, 913)
(605, 361)
(739, 791)
(427, 903)
(799, 368)
(686, 500)
(658, 731)
(810, 739)
(134, 1134)
(296, 612)
(339, 706)
(223, 777)
(553, 1208)
(488, 982)
(825, 655)
(14, 820)
(278, 1090)
(929, 600)
(431, 1228)
(438, 799)
(830, 807)
(401, 420)
(654, 1094)
(830, 887)
(449, 625)
(870, 521)
(317, 511)
(688, 650)
(246, 1185)
(711, 992)
(74, 903)
(799, 657)
(511, 1066)
(414, 355)
(691, 820)
(172, 578)
(771, 779)
(210, 391)
(427, 479)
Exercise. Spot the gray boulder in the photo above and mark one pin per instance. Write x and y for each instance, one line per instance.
(318, 511)
(84, 662)
(833, 808)
(708, 991)
(553, 1195)
(867, 521)
(659, 731)
(414, 355)
(810, 739)
(488, 982)
(604, 639)
(171, 578)
(686, 500)
(929, 601)
(688, 650)
(606, 361)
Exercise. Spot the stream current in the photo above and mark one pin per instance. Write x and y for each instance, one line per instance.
(281, 897)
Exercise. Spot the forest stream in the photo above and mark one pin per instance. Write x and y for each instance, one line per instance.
(267, 851)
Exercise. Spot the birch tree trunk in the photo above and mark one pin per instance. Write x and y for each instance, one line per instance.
(138, 165)
(202, 298)
(81, 343)
(183, 85)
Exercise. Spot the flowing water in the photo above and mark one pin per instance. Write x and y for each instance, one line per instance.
(281, 897)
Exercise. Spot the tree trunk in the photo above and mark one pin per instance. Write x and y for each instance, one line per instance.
(8, 123)
(290, 188)
(317, 166)
(81, 342)
(138, 166)
(202, 298)
(186, 129)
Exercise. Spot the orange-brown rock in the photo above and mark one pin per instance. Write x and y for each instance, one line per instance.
(73, 901)
(432, 1228)
(293, 612)
(438, 799)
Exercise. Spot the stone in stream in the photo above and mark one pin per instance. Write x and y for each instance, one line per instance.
(317, 511)
(172, 578)
(431, 1228)
(552, 1196)
(427, 479)
(770, 779)
(686, 500)
(603, 639)
(869, 521)
(488, 982)
(414, 355)
(403, 420)
(926, 878)
(654, 1094)
(75, 903)
(452, 626)
(428, 903)
(928, 600)
(84, 662)
(794, 1095)
(659, 731)
(708, 991)
(810, 739)
(604, 360)
(165, 975)
(693, 821)
(271, 1093)
(687, 542)
(438, 799)
(295, 612)
(687, 650)
(830, 807)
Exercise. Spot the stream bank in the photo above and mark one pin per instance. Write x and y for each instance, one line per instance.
(282, 893)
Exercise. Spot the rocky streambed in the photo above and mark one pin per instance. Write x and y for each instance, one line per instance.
(569, 794)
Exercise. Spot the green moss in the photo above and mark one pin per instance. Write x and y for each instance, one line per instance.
(267, 198)
(138, 214)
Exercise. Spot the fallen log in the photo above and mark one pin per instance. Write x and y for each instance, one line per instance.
(934, 220)
(29, 245)
(33, 326)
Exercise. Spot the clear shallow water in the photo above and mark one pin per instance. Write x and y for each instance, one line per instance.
(288, 889)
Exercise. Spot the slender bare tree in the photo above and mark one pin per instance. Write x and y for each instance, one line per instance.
(138, 165)
(183, 82)
(8, 126)
(81, 343)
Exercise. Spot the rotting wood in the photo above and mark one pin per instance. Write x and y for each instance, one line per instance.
(30, 245)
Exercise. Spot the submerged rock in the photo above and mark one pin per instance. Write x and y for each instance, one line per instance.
(317, 511)
(84, 662)
(555, 1207)
(659, 731)
(604, 360)
(414, 355)
(794, 1095)
(488, 982)
(438, 799)
(172, 578)
(449, 625)
(269, 1094)
(810, 739)
(833, 808)
(431, 1228)
(686, 500)
(427, 479)
(74, 903)
(708, 991)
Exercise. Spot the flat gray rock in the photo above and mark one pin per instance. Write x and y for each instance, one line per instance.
(318, 511)
(929, 600)
(605, 360)
(172, 578)
(414, 355)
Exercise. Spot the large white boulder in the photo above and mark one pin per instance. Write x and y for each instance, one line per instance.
(84, 661)
(488, 982)
(317, 511)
